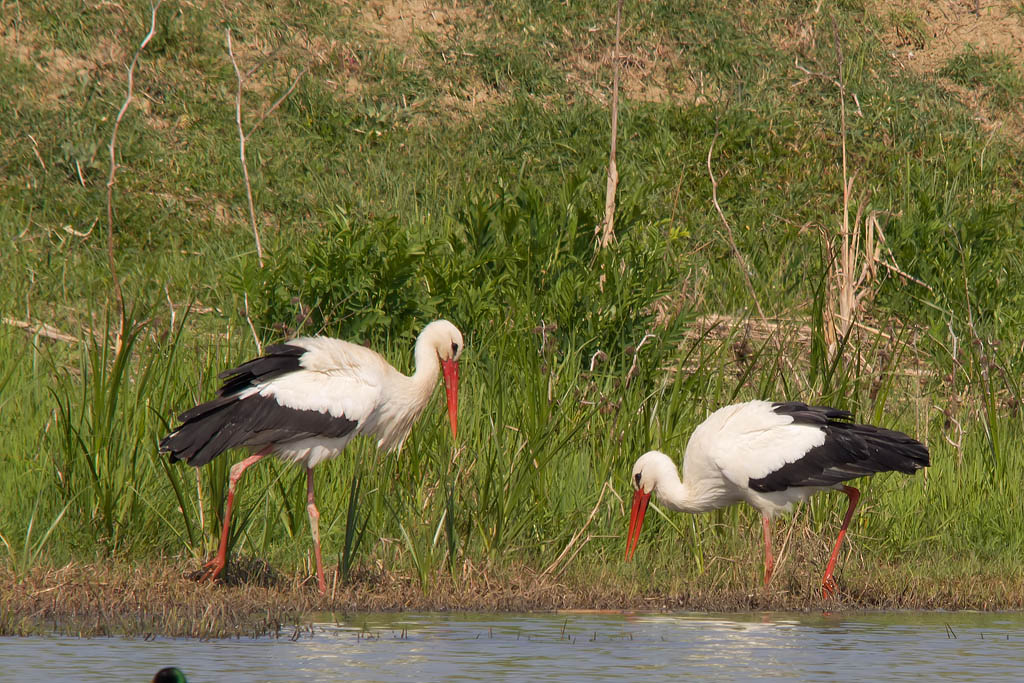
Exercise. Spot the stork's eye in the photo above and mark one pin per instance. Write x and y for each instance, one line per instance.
(637, 478)
(455, 349)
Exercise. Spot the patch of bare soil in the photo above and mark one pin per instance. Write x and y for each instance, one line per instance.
(924, 35)
(416, 26)
(647, 73)
(951, 25)
(399, 21)
(59, 70)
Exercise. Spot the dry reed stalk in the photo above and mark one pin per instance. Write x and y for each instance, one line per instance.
(860, 250)
(607, 229)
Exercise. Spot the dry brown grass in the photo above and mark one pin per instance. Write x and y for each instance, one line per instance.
(160, 599)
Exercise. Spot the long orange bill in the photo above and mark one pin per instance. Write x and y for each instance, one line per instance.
(451, 388)
(636, 521)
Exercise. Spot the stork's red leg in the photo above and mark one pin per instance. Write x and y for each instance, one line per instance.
(314, 528)
(828, 584)
(216, 565)
(769, 559)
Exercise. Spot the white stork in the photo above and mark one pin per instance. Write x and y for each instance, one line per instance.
(304, 400)
(771, 455)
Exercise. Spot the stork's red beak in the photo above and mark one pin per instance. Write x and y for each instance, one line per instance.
(636, 520)
(451, 388)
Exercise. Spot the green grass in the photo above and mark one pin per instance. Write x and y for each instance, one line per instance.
(995, 72)
(464, 164)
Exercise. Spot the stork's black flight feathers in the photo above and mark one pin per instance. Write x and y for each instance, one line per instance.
(850, 450)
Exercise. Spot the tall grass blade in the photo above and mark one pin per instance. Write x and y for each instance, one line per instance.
(353, 532)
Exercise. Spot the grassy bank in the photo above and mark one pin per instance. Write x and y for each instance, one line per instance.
(143, 600)
(409, 161)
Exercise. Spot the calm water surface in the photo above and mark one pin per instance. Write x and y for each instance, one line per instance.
(560, 647)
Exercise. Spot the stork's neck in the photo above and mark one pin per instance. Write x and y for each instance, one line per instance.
(424, 378)
(688, 496)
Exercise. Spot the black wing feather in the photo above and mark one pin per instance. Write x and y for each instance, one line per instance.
(850, 450)
(277, 360)
(229, 421)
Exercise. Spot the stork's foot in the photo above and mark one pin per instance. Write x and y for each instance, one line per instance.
(828, 588)
(210, 571)
(321, 584)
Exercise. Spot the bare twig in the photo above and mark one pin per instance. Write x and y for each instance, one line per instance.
(77, 233)
(728, 232)
(576, 537)
(847, 302)
(636, 357)
(111, 179)
(270, 110)
(607, 228)
(252, 328)
(241, 150)
(742, 261)
(41, 329)
(243, 137)
(895, 267)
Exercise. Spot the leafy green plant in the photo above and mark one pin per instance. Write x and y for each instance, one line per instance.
(357, 281)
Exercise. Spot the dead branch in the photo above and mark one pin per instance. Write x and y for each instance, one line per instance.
(111, 179)
(636, 357)
(252, 328)
(41, 329)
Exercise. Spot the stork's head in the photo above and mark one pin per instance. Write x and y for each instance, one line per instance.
(446, 342)
(651, 468)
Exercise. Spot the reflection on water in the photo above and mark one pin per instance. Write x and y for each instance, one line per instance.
(577, 646)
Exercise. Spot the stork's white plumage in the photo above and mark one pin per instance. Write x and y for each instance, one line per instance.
(304, 400)
(771, 455)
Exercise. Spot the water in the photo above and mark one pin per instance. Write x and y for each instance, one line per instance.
(915, 646)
